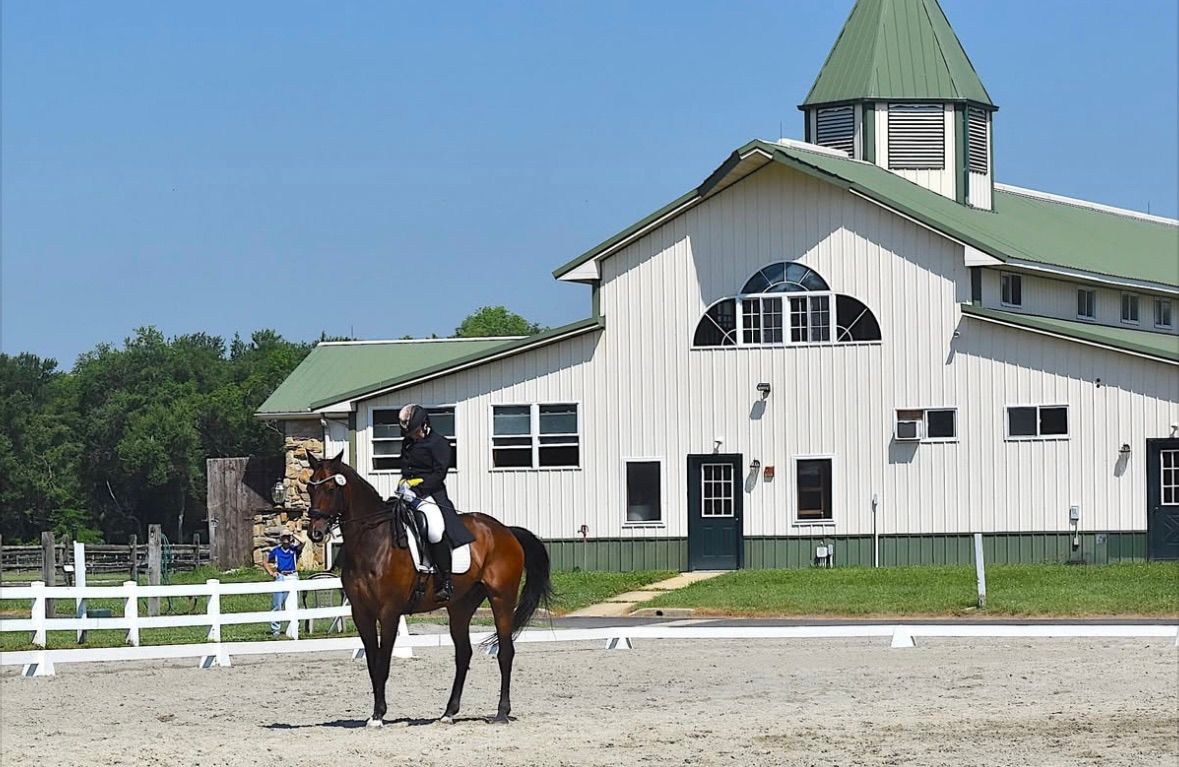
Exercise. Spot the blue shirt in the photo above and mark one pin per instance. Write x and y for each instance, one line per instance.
(284, 559)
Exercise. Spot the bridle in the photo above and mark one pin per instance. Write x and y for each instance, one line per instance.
(333, 517)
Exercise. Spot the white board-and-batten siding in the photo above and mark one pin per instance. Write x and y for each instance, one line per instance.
(643, 392)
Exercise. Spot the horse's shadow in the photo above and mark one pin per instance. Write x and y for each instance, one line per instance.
(356, 724)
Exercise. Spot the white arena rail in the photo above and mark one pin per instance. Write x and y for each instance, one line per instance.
(214, 652)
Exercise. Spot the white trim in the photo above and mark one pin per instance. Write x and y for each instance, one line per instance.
(1137, 321)
(1096, 278)
(925, 438)
(590, 270)
(976, 257)
(1073, 339)
(1154, 306)
(399, 341)
(1037, 437)
(1126, 212)
(372, 454)
(1087, 317)
(534, 435)
(1019, 277)
(637, 234)
(663, 497)
(794, 518)
(816, 148)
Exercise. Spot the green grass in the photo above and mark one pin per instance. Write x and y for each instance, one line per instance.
(572, 591)
(575, 590)
(1148, 589)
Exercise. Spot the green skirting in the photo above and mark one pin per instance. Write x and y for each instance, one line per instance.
(620, 554)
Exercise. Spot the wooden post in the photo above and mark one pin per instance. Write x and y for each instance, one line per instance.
(48, 567)
(1, 558)
(155, 564)
(80, 582)
(134, 546)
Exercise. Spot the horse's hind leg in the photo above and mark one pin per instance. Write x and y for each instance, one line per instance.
(460, 633)
(502, 606)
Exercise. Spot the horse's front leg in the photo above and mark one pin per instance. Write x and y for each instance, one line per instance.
(366, 626)
(379, 672)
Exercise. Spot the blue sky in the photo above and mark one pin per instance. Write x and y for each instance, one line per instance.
(382, 169)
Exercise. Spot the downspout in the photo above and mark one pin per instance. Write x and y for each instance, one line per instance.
(875, 537)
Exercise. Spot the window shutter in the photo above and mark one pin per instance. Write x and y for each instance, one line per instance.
(836, 128)
(976, 126)
(916, 137)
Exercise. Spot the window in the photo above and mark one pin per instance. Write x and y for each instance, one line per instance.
(1011, 289)
(386, 436)
(1169, 463)
(1162, 313)
(813, 477)
(934, 425)
(1086, 303)
(644, 496)
(916, 137)
(976, 127)
(761, 315)
(1130, 308)
(1033, 421)
(531, 436)
(836, 128)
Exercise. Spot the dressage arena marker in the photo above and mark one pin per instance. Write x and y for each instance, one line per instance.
(214, 653)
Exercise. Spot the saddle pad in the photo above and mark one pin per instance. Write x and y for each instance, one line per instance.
(460, 558)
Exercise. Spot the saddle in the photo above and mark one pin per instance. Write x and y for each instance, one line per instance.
(411, 534)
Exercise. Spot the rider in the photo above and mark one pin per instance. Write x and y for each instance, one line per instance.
(425, 456)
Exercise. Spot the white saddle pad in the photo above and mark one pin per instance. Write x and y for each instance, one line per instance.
(460, 558)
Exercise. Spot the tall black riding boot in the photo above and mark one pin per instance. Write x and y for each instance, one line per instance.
(440, 553)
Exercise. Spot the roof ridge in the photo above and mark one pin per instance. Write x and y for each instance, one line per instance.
(937, 40)
(1077, 202)
(961, 47)
(375, 341)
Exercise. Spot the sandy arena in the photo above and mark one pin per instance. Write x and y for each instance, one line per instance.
(816, 702)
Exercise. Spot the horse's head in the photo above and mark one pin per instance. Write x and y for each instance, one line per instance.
(328, 487)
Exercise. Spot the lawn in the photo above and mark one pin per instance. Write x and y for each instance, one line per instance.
(572, 590)
(1147, 589)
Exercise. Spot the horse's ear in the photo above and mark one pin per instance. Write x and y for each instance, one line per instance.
(312, 460)
(339, 456)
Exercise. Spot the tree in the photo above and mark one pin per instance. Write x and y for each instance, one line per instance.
(491, 321)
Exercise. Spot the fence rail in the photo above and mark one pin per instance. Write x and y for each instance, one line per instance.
(102, 557)
(214, 652)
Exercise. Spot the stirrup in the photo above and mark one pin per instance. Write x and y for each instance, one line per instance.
(443, 589)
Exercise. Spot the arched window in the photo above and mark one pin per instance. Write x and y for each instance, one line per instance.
(786, 303)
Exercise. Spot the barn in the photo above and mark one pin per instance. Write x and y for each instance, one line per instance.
(855, 350)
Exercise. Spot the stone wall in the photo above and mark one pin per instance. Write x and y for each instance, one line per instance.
(268, 526)
(301, 436)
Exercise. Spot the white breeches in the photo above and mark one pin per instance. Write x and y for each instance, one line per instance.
(435, 526)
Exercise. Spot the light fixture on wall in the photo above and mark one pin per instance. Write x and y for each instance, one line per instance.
(755, 465)
(764, 389)
(1124, 450)
(278, 492)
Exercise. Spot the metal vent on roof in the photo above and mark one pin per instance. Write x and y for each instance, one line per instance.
(976, 128)
(916, 137)
(836, 128)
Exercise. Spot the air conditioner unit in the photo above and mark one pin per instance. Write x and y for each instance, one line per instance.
(910, 431)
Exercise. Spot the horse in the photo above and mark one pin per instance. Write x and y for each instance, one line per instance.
(382, 583)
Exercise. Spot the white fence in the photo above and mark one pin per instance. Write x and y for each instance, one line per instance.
(214, 652)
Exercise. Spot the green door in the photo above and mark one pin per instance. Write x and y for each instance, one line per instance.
(1162, 499)
(714, 512)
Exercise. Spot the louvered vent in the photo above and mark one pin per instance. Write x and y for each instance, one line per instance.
(976, 125)
(836, 128)
(916, 137)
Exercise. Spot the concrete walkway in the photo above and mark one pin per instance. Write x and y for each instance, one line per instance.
(624, 604)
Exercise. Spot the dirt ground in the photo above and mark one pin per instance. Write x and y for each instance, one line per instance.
(801, 702)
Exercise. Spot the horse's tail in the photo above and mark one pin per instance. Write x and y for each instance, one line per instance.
(538, 585)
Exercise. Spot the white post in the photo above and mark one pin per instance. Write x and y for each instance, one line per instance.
(400, 649)
(131, 612)
(38, 615)
(80, 581)
(214, 610)
(290, 606)
(980, 571)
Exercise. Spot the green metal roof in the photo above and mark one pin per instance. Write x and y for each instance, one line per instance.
(1019, 228)
(896, 50)
(1163, 346)
(331, 368)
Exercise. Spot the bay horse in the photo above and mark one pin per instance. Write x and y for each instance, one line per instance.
(380, 579)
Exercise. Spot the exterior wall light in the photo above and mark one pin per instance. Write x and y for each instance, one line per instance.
(278, 493)
(764, 389)
(755, 465)
(1124, 449)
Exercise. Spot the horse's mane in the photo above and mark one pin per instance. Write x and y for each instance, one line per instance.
(354, 478)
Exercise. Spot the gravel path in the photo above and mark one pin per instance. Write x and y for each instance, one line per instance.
(763, 703)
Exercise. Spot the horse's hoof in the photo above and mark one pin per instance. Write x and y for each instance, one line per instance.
(501, 719)
(374, 723)
(447, 719)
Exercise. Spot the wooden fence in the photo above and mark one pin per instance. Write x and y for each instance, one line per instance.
(101, 558)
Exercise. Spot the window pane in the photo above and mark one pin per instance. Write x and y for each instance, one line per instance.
(558, 419)
(940, 424)
(718, 327)
(1162, 312)
(1085, 303)
(751, 318)
(1129, 307)
(821, 318)
(387, 447)
(798, 320)
(814, 488)
(1021, 421)
(855, 322)
(643, 502)
(385, 424)
(442, 420)
(1011, 289)
(512, 457)
(386, 464)
(771, 320)
(1053, 420)
(511, 419)
(566, 455)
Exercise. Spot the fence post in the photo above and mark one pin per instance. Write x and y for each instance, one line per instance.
(289, 606)
(221, 658)
(980, 571)
(48, 566)
(39, 613)
(80, 582)
(133, 544)
(155, 562)
(1, 558)
(131, 612)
